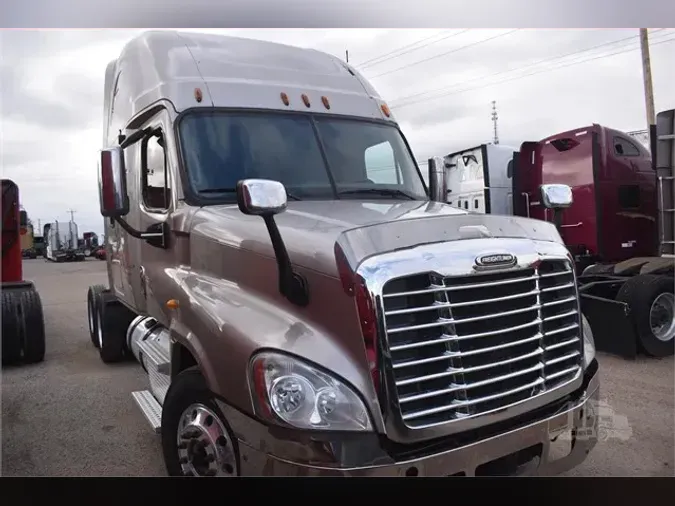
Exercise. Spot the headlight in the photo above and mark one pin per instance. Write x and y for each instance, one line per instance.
(286, 389)
(589, 342)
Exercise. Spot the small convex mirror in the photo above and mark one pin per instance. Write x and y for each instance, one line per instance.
(556, 196)
(261, 197)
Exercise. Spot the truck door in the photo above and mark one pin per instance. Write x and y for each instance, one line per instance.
(627, 188)
(526, 181)
(156, 201)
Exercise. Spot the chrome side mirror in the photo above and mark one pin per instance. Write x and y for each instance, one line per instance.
(556, 196)
(266, 198)
(261, 197)
(112, 183)
(438, 186)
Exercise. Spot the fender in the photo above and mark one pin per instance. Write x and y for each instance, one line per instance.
(223, 324)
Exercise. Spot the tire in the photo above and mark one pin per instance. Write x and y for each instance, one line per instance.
(34, 327)
(640, 293)
(92, 299)
(11, 328)
(188, 392)
(112, 325)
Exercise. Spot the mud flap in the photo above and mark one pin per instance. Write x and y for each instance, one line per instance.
(611, 324)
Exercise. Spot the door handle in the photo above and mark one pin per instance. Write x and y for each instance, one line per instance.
(527, 202)
(572, 226)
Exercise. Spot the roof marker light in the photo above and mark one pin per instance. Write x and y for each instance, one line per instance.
(284, 98)
(305, 99)
(385, 110)
(326, 104)
(198, 95)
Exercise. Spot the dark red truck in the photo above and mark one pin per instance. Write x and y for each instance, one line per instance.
(619, 227)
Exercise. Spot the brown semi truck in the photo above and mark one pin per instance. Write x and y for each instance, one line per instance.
(302, 302)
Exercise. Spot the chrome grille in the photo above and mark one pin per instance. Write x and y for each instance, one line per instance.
(465, 346)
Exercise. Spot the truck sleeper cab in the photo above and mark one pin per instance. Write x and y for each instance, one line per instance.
(274, 265)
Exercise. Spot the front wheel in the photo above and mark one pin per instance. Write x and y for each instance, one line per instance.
(196, 439)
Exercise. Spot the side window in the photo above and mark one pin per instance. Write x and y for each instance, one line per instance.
(381, 165)
(623, 147)
(155, 183)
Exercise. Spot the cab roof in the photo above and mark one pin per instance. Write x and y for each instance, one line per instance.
(234, 72)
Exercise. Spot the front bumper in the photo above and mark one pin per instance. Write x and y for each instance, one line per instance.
(263, 451)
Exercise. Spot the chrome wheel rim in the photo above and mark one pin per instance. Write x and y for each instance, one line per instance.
(90, 316)
(204, 445)
(99, 330)
(662, 317)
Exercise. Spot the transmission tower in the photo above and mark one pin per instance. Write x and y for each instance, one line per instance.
(495, 140)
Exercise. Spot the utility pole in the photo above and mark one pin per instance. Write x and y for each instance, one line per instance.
(72, 213)
(648, 89)
(347, 55)
(495, 139)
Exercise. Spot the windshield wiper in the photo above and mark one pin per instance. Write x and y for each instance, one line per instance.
(387, 192)
(233, 190)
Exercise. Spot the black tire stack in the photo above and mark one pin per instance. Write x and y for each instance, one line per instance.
(23, 328)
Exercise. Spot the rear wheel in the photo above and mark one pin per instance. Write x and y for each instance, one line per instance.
(196, 439)
(113, 320)
(652, 304)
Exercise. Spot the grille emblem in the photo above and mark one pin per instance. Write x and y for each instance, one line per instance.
(495, 260)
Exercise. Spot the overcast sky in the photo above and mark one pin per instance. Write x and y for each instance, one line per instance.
(439, 84)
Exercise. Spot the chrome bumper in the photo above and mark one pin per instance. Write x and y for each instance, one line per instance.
(559, 443)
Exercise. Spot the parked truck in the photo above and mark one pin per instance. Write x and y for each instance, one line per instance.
(619, 228)
(301, 302)
(61, 242)
(89, 243)
(26, 236)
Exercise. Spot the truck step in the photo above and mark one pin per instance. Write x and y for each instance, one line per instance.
(156, 354)
(150, 408)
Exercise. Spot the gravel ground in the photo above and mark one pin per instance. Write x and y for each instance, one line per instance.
(72, 415)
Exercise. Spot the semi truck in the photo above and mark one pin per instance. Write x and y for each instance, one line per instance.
(61, 242)
(619, 228)
(301, 301)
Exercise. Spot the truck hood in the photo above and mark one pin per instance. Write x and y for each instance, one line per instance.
(311, 229)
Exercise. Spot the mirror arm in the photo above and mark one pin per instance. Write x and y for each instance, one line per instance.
(291, 284)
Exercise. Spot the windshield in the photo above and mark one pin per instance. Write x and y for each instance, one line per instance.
(314, 157)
